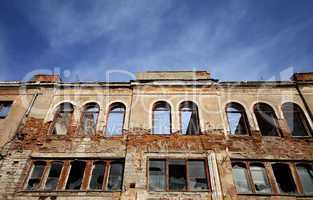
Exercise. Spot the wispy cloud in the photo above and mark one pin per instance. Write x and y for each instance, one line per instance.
(233, 40)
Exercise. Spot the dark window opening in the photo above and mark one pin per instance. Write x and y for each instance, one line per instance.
(305, 173)
(266, 119)
(157, 175)
(5, 107)
(89, 119)
(76, 175)
(161, 118)
(36, 176)
(54, 175)
(189, 118)
(62, 119)
(296, 120)
(197, 175)
(115, 176)
(259, 178)
(284, 178)
(240, 177)
(177, 175)
(237, 119)
(115, 122)
(97, 177)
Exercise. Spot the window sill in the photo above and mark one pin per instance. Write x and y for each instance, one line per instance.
(272, 194)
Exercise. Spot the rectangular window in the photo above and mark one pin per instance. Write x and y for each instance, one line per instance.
(251, 177)
(97, 177)
(36, 175)
(284, 178)
(115, 176)
(157, 175)
(76, 175)
(103, 175)
(173, 175)
(5, 107)
(197, 175)
(54, 175)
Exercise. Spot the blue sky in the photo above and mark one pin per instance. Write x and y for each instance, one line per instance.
(82, 40)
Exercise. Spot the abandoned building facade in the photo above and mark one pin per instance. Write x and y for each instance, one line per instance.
(165, 135)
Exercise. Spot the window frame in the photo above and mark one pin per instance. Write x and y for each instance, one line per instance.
(2, 104)
(166, 164)
(82, 116)
(170, 118)
(275, 190)
(243, 113)
(192, 105)
(303, 118)
(56, 113)
(274, 117)
(65, 172)
(111, 107)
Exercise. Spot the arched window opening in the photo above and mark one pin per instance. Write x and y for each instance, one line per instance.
(189, 118)
(89, 119)
(161, 118)
(296, 120)
(266, 119)
(259, 178)
(115, 122)
(284, 178)
(62, 119)
(240, 176)
(237, 119)
(305, 173)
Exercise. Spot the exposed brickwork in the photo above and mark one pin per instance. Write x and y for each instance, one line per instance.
(137, 144)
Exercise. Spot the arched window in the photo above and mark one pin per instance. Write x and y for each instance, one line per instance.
(305, 173)
(240, 176)
(161, 118)
(296, 120)
(89, 119)
(189, 118)
(62, 119)
(267, 119)
(259, 178)
(237, 119)
(115, 122)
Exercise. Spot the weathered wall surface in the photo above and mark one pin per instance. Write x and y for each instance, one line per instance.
(137, 145)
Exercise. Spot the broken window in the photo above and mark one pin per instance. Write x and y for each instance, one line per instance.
(89, 119)
(62, 119)
(305, 173)
(161, 118)
(172, 175)
(115, 122)
(266, 119)
(241, 178)
(54, 175)
(177, 175)
(237, 119)
(5, 107)
(284, 178)
(76, 175)
(189, 118)
(197, 175)
(296, 120)
(157, 175)
(36, 175)
(97, 177)
(115, 176)
(259, 178)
